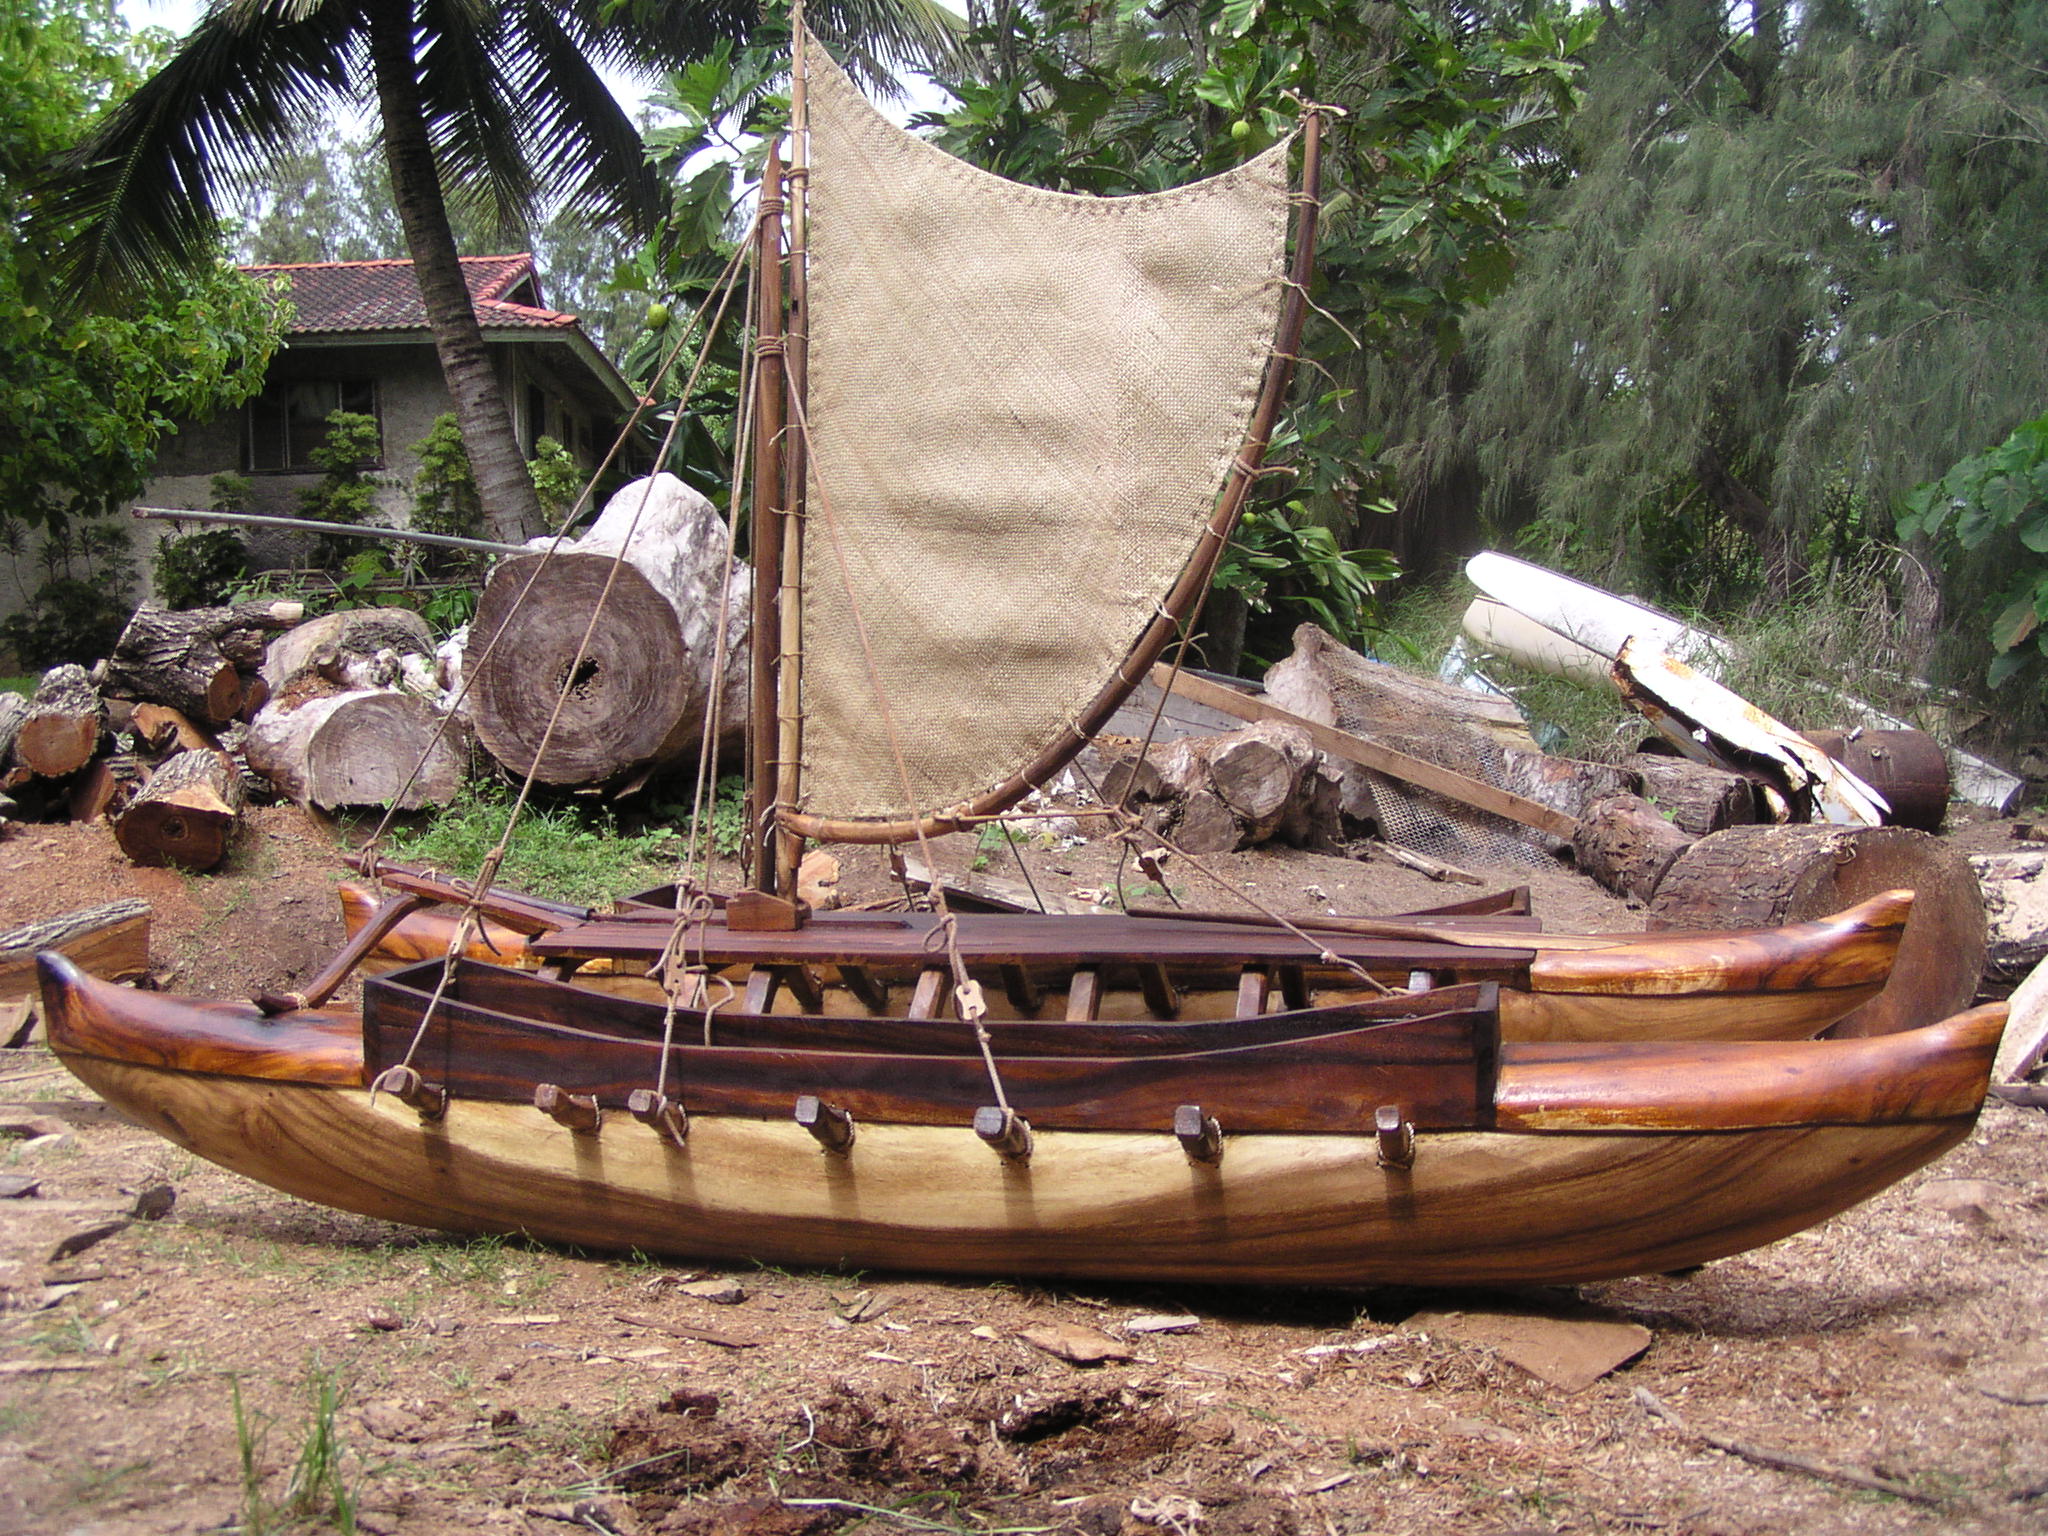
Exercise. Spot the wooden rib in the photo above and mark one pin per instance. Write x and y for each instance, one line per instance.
(1186, 593)
(804, 986)
(1084, 995)
(1254, 986)
(1160, 994)
(1022, 991)
(860, 981)
(927, 995)
(763, 982)
(1294, 990)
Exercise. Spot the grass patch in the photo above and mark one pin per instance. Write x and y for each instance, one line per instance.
(316, 1489)
(567, 852)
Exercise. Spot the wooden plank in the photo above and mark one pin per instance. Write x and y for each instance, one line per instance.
(1381, 759)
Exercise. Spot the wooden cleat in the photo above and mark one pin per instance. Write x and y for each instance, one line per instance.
(659, 1113)
(404, 1084)
(578, 1111)
(1199, 1134)
(1005, 1130)
(1396, 1135)
(832, 1125)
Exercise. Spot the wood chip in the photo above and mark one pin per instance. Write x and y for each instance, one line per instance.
(1568, 1349)
(526, 1320)
(15, 1186)
(383, 1319)
(47, 1367)
(1163, 1322)
(1081, 1346)
(685, 1331)
(723, 1293)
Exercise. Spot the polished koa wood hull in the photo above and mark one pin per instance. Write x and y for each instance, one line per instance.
(1787, 983)
(1598, 1162)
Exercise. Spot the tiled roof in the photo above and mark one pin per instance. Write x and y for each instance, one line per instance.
(385, 295)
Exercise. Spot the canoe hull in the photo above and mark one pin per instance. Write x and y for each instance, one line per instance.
(1476, 1208)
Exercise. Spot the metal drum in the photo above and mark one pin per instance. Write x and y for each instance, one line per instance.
(1907, 767)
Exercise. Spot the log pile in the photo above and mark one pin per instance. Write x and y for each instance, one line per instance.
(202, 662)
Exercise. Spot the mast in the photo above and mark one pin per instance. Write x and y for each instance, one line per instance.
(789, 745)
(769, 448)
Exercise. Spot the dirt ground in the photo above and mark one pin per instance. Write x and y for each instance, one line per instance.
(252, 1362)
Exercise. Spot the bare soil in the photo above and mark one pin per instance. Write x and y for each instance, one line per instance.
(497, 1386)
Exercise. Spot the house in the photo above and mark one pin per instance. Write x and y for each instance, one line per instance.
(359, 341)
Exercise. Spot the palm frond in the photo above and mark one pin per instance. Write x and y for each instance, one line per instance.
(136, 199)
(469, 79)
(577, 136)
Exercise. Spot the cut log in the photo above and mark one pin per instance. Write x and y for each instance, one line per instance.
(1752, 877)
(358, 748)
(61, 730)
(162, 730)
(13, 710)
(110, 941)
(2015, 889)
(637, 698)
(185, 815)
(1626, 844)
(193, 659)
(351, 632)
(1699, 799)
(105, 786)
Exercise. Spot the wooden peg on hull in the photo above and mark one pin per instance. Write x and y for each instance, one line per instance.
(429, 1100)
(1005, 1130)
(1201, 1137)
(659, 1113)
(1396, 1136)
(832, 1125)
(578, 1111)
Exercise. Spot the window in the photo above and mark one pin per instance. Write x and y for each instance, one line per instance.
(289, 419)
(536, 418)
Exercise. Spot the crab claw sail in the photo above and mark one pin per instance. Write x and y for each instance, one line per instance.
(1022, 407)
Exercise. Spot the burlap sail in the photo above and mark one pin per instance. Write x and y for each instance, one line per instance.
(1022, 406)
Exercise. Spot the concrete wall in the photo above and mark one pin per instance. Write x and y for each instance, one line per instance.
(410, 395)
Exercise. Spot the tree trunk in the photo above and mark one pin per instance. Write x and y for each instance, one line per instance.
(359, 747)
(1783, 562)
(1627, 845)
(638, 697)
(503, 485)
(361, 631)
(61, 731)
(1698, 799)
(1752, 877)
(194, 659)
(110, 941)
(13, 710)
(185, 815)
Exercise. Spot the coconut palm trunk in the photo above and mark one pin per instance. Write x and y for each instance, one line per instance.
(504, 487)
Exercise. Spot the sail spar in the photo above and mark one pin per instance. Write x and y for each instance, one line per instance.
(1022, 405)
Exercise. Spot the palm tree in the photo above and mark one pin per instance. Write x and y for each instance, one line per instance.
(495, 101)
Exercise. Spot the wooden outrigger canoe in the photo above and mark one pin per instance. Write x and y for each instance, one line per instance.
(1786, 983)
(1508, 1162)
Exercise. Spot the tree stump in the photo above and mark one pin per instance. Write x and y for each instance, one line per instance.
(358, 747)
(1749, 877)
(61, 730)
(1625, 843)
(185, 815)
(1699, 799)
(193, 659)
(638, 696)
